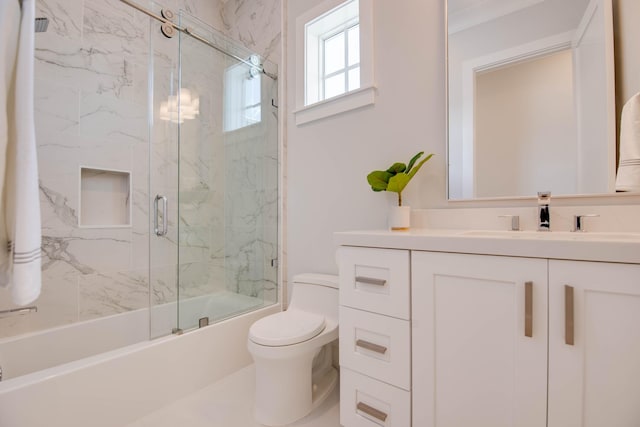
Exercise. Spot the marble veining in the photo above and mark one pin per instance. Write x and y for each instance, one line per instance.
(64, 17)
(92, 94)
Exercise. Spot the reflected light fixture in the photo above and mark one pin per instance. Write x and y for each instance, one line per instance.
(177, 109)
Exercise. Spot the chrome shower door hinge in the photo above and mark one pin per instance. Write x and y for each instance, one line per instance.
(274, 263)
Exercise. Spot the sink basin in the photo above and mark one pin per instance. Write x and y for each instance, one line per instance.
(556, 235)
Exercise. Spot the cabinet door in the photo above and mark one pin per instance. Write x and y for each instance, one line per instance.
(473, 364)
(594, 381)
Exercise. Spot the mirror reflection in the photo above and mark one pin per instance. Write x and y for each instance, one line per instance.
(536, 88)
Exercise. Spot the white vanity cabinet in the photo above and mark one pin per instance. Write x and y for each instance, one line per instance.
(446, 330)
(375, 337)
(475, 365)
(479, 340)
(594, 378)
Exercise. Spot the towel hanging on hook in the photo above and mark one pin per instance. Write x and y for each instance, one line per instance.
(20, 227)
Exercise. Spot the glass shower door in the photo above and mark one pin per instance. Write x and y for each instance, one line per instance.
(163, 181)
(227, 224)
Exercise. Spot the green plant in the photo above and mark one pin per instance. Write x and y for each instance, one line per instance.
(397, 176)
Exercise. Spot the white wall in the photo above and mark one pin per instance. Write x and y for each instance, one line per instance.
(328, 160)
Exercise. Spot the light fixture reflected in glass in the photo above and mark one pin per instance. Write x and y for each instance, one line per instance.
(188, 109)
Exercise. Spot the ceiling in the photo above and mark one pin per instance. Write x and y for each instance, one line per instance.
(465, 14)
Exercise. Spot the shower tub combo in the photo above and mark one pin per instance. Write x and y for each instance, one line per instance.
(158, 164)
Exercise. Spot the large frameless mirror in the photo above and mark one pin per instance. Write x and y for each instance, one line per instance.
(535, 93)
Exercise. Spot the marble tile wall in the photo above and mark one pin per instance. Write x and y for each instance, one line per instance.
(92, 98)
(252, 201)
(251, 204)
(236, 188)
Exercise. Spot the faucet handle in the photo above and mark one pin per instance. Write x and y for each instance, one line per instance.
(515, 221)
(578, 221)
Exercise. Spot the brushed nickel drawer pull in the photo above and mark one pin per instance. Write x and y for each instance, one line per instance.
(569, 324)
(375, 413)
(371, 281)
(528, 309)
(371, 346)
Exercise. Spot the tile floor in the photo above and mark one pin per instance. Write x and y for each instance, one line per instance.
(229, 403)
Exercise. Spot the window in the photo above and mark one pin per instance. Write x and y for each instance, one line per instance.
(333, 53)
(243, 101)
(334, 67)
(341, 62)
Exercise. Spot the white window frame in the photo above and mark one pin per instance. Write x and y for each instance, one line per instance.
(349, 100)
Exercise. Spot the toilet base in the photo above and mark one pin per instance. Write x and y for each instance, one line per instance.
(285, 393)
(324, 387)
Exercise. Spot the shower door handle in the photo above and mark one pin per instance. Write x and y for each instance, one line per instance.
(156, 229)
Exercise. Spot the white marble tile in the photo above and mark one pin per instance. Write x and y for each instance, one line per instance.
(244, 261)
(217, 273)
(103, 116)
(114, 27)
(164, 284)
(141, 207)
(243, 168)
(59, 214)
(72, 63)
(194, 244)
(164, 160)
(96, 250)
(65, 17)
(104, 294)
(194, 280)
(198, 207)
(56, 110)
(57, 306)
(256, 24)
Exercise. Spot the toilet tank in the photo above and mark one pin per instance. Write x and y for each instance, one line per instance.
(315, 293)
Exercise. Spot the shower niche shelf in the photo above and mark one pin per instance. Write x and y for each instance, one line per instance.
(105, 198)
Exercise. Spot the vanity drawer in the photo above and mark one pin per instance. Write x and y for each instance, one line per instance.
(377, 346)
(375, 280)
(365, 402)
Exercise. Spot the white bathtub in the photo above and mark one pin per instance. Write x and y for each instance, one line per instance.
(117, 387)
(23, 354)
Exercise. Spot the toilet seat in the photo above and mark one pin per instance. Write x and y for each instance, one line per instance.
(286, 328)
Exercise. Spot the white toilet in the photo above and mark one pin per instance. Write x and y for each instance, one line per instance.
(292, 352)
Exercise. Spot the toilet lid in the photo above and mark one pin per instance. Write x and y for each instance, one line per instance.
(286, 328)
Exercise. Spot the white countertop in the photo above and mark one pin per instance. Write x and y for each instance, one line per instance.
(596, 246)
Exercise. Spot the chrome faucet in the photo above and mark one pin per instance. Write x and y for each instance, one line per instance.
(544, 219)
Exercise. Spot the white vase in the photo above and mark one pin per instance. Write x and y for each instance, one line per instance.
(399, 218)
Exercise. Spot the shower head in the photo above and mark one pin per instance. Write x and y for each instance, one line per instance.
(42, 24)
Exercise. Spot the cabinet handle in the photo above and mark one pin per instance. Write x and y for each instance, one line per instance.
(375, 413)
(371, 346)
(568, 315)
(371, 281)
(528, 309)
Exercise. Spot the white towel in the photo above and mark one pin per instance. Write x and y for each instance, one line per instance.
(20, 213)
(628, 178)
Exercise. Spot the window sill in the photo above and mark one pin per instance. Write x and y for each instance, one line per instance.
(330, 107)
